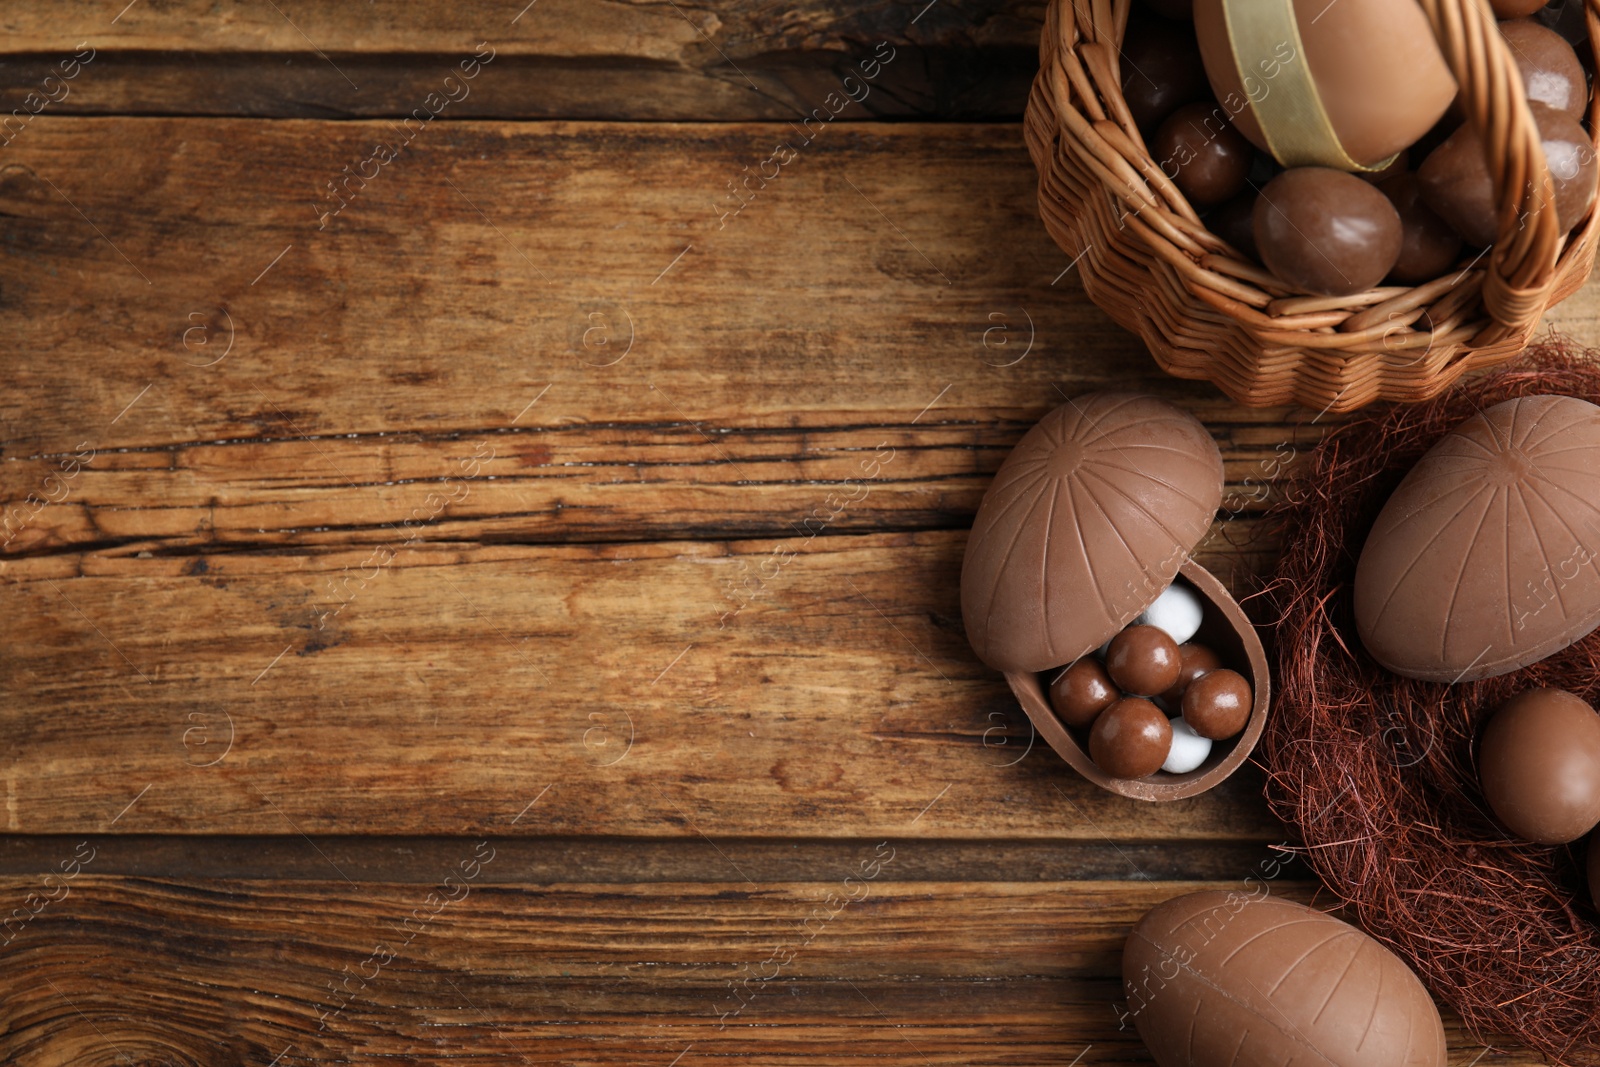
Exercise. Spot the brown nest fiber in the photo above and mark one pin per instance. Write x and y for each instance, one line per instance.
(1377, 771)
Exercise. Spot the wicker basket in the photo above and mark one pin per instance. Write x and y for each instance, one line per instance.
(1208, 312)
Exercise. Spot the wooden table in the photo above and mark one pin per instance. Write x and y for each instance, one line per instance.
(483, 587)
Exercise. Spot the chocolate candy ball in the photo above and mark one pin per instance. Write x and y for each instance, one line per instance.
(1539, 764)
(1143, 661)
(1455, 178)
(1130, 739)
(1551, 73)
(1161, 70)
(1198, 148)
(1428, 246)
(1217, 704)
(1189, 749)
(1326, 231)
(1194, 660)
(1082, 691)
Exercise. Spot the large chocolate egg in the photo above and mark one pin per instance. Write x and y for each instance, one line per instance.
(1374, 64)
(1539, 765)
(1326, 231)
(1219, 978)
(1487, 556)
(1455, 182)
(1087, 521)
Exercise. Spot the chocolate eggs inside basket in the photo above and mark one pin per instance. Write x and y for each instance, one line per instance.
(1291, 199)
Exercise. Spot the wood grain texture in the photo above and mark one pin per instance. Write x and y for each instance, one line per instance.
(308, 972)
(443, 692)
(591, 59)
(757, 382)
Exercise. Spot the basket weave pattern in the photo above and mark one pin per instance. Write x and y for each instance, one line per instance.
(1207, 312)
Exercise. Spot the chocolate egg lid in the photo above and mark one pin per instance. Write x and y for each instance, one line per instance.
(1086, 522)
(1487, 556)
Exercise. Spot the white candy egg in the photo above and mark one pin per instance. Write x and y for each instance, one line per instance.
(1188, 751)
(1177, 611)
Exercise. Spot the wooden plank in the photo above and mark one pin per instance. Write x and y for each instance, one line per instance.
(634, 860)
(444, 690)
(759, 380)
(599, 59)
(305, 972)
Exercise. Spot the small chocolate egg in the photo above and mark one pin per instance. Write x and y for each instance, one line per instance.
(1455, 178)
(1551, 73)
(1161, 70)
(1217, 704)
(1539, 765)
(1194, 660)
(1234, 222)
(1513, 9)
(1326, 231)
(1177, 612)
(1428, 246)
(1143, 661)
(1081, 692)
(1189, 749)
(1198, 148)
(1130, 739)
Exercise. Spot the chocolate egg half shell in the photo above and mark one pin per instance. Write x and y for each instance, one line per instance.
(1487, 556)
(1086, 522)
(1219, 978)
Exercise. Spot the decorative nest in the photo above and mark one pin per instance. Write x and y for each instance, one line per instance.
(1377, 772)
(1206, 311)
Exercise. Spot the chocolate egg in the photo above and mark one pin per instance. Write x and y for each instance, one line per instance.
(1227, 977)
(1539, 764)
(1087, 520)
(1198, 148)
(1131, 738)
(1161, 70)
(1486, 557)
(1143, 660)
(1194, 661)
(1082, 691)
(1326, 231)
(1515, 9)
(1217, 704)
(1455, 179)
(1551, 73)
(1428, 246)
(1374, 65)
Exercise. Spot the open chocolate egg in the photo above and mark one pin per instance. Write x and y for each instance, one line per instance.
(1088, 521)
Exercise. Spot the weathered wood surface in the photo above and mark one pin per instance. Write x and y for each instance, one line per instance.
(591, 59)
(464, 972)
(366, 534)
